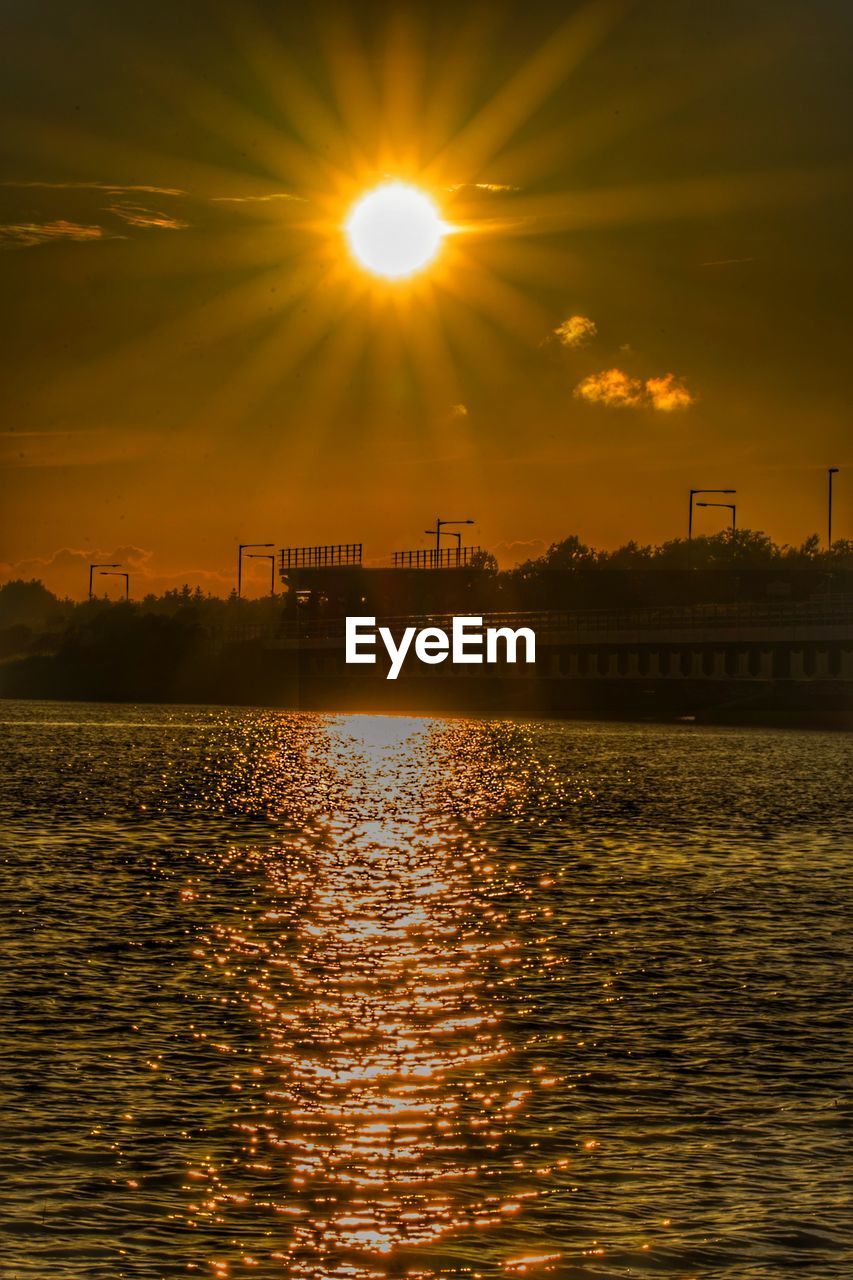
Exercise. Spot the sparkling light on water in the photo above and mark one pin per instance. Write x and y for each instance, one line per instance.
(354, 998)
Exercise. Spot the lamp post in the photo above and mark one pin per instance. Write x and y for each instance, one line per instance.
(439, 525)
(831, 471)
(93, 567)
(693, 493)
(244, 546)
(250, 555)
(126, 576)
(729, 506)
(451, 533)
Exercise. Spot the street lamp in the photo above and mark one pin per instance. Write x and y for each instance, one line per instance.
(451, 533)
(93, 567)
(263, 556)
(439, 525)
(126, 577)
(729, 506)
(831, 471)
(693, 493)
(243, 546)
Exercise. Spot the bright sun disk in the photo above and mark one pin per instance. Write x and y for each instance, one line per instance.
(394, 230)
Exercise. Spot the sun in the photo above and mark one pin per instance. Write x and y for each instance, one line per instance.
(394, 230)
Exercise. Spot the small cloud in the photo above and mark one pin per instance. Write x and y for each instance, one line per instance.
(266, 199)
(577, 331)
(726, 262)
(492, 187)
(459, 411)
(111, 188)
(616, 389)
(668, 393)
(613, 388)
(516, 552)
(24, 235)
(66, 572)
(84, 447)
(135, 215)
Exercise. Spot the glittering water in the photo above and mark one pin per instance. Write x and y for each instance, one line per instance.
(346, 997)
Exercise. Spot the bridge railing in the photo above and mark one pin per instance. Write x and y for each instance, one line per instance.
(431, 558)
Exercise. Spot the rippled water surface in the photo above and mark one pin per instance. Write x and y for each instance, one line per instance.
(352, 997)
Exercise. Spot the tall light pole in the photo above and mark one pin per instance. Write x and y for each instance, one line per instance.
(451, 533)
(439, 525)
(244, 546)
(126, 576)
(693, 493)
(263, 556)
(104, 565)
(729, 506)
(831, 471)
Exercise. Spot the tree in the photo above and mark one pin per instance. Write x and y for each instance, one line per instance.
(28, 604)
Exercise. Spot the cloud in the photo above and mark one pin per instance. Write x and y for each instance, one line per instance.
(668, 393)
(613, 388)
(266, 199)
(517, 551)
(38, 213)
(66, 573)
(111, 188)
(616, 389)
(24, 235)
(136, 215)
(494, 188)
(88, 446)
(459, 411)
(577, 331)
(726, 262)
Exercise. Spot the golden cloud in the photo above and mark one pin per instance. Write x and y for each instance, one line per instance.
(613, 388)
(66, 572)
(23, 235)
(577, 331)
(136, 215)
(668, 393)
(616, 389)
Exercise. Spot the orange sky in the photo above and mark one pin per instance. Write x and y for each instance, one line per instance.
(647, 286)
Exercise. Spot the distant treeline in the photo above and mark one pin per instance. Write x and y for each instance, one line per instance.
(184, 643)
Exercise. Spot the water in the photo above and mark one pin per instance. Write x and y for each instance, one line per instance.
(348, 997)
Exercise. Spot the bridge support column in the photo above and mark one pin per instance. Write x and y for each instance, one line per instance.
(654, 665)
(719, 671)
(797, 672)
(821, 665)
(567, 664)
(697, 668)
(847, 664)
(742, 670)
(633, 664)
(765, 665)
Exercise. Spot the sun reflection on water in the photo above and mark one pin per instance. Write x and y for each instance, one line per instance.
(375, 992)
(364, 998)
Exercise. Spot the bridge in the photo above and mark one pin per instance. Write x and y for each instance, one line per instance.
(730, 642)
(668, 661)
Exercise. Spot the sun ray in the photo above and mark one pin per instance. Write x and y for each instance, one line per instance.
(704, 196)
(263, 268)
(536, 79)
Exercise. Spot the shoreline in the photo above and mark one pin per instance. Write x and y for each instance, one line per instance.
(758, 708)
